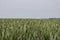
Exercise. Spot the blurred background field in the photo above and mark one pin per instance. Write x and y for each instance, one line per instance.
(30, 29)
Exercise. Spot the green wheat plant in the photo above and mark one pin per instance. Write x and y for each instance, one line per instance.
(29, 29)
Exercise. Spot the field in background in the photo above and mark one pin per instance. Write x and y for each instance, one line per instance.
(29, 29)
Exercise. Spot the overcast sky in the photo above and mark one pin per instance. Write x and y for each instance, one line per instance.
(29, 8)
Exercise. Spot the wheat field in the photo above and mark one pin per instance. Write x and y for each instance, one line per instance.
(29, 29)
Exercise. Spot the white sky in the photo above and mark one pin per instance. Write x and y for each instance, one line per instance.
(29, 8)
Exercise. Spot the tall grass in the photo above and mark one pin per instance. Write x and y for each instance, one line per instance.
(29, 29)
